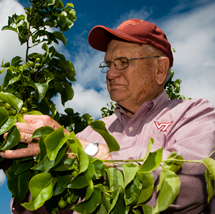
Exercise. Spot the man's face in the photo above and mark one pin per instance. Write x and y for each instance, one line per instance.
(136, 84)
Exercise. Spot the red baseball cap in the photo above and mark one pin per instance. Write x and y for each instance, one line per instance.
(132, 30)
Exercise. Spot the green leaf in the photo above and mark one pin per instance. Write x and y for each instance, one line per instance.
(210, 164)
(88, 206)
(148, 209)
(133, 189)
(42, 131)
(34, 113)
(61, 183)
(102, 209)
(18, 183)
(50, 2)
(6, 122)
(69, 5)
(99, 168)
(83, 179)
(118, 204)
(172, 165)
(23, 164)
(7, 64)
(88, 118)
(41, 188)
(69, 90)
(16, 61)
(12, 100)
(99, 126)
(210, 184)
(83, 160)
(114, 179)
(45, 163)
(40, 89)
(106, 197)
(89, 191)
(170, 187)
(60, 5)
(151, 141)
(58, 87)
(54, 142)
(3, 115)
(8, 77)
(9, 28)
(129, 170)
(19, 118)
(60, 36)
(147, 188)
(66, 164)
(12, 80)
(153, 161)
(68, 68)
(73, 143)
(12, 139)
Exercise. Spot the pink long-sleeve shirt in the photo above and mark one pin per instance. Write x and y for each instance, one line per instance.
(184, 126)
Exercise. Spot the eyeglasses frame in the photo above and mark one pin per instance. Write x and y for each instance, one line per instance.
(128, 59)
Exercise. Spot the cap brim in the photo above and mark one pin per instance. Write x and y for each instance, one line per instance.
(100, 36)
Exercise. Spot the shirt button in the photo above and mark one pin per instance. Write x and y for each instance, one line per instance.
(130, 129)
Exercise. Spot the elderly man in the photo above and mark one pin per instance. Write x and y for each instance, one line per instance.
(137, 62)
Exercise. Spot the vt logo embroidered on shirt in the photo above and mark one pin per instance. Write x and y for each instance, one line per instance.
(162, 126)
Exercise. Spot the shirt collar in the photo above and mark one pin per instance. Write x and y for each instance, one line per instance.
(147, 107)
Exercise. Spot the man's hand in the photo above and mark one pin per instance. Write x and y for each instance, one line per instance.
(32, 122)
(103, 149)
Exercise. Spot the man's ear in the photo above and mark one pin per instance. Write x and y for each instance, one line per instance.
(163, 67)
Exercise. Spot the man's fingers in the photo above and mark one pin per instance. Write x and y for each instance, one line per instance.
(26, 138)
(33, 118)
(32, 150)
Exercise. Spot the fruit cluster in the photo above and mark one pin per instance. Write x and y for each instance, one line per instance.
(12, 111)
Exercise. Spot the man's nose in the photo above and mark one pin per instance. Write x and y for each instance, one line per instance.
(112, 72)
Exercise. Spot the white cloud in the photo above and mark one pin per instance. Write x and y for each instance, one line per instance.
(85, 101)
(9, 46)
(2, 177)
(90, 89)
(143, 13)
(192, 34)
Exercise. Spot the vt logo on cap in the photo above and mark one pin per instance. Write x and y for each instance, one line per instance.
(127, 23)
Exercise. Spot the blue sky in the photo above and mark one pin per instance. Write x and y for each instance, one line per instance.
(189, 25)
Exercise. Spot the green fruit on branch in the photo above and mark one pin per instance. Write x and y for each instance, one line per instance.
(37, 66)
(28, 79)
(31, 64)
(7, 106)
(38, 60)
(24, 110)
(25, 84)
(13, 112)
(62, 204)
(28, 100)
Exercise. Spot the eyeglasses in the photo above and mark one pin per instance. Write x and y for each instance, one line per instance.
(120, 63)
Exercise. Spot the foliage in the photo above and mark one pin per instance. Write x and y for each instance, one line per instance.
(173, 88)
(109, 110)
(40, 77)
(58, 181)
(53, 179)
